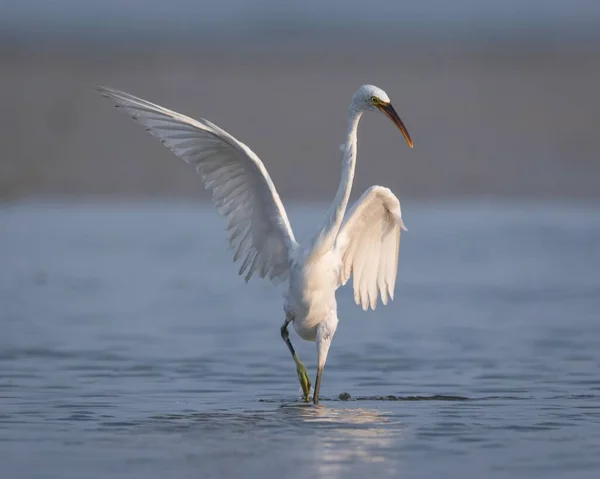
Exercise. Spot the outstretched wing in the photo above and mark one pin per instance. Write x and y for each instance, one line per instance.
(258, 227)
(368, 242)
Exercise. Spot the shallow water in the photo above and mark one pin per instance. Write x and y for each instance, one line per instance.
(130, 348)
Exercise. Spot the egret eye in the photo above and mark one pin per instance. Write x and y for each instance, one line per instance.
(374, 99)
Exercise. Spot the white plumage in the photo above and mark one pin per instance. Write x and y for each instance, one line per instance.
(368, 241)
(364, 245)
(259, 231)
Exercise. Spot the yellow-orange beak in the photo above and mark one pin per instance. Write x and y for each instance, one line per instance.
(388, 109)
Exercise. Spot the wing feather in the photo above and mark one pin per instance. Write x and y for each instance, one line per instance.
(259, 232)
(368, 242)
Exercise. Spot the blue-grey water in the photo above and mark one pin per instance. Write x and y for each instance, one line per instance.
(129, 347)
(226, 18)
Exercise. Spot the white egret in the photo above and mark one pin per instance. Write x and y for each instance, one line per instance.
(364, 245)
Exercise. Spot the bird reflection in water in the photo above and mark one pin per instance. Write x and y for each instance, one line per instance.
(347, 438)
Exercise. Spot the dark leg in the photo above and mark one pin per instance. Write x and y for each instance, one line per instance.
(317, 386)
(300, 369)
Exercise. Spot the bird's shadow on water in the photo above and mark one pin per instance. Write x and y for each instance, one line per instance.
(289, 417)
(357, 418)
(293, 412)
(342, 411)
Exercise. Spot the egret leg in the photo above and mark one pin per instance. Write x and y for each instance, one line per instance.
(317, 385)
(300, 369)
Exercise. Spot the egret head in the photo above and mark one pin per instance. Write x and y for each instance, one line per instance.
(371, 98)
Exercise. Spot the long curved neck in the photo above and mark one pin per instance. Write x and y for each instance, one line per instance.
(326, 237)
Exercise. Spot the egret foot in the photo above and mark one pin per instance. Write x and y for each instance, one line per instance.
(303, 378)
(300, 369)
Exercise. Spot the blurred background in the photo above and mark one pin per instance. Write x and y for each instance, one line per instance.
(500, 96)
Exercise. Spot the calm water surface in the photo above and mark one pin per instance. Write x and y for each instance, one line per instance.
(130, 348)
